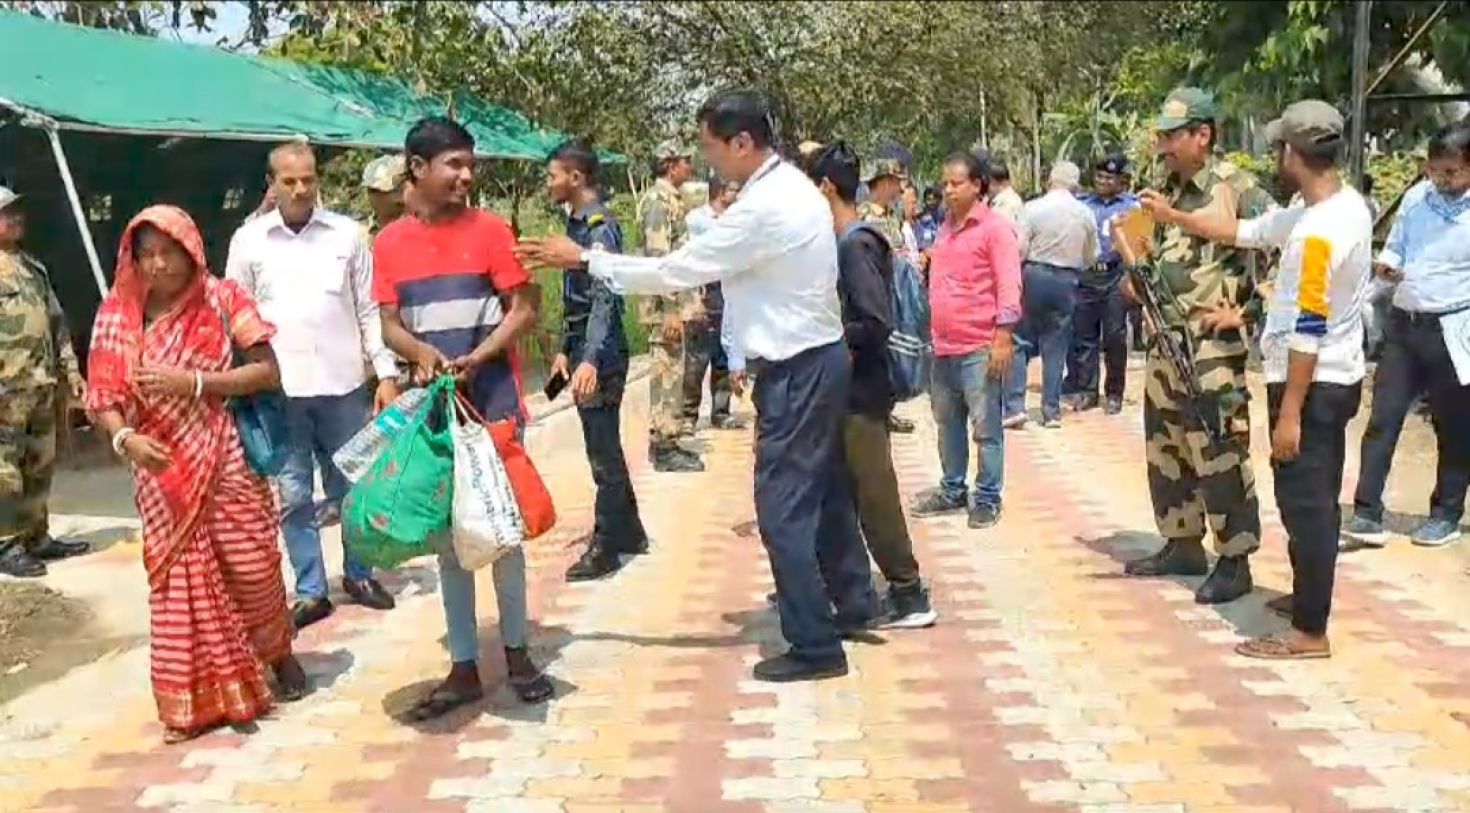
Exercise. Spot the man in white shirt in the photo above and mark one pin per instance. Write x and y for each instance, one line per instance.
(1312, 348)
(1058, 240)
(775, 252)
(310, 271)
(1003, 197)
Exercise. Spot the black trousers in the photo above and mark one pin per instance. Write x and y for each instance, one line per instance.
(803, 501)
(616, 523)
(1415, 361)
(1099, 323)
(703, 351)
(1306, 494)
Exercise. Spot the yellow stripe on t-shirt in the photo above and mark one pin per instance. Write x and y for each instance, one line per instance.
(1316, 259)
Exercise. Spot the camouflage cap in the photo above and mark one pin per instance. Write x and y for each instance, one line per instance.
(384, 173)
(1186, 106)
(882, 167)
(1306, 124)
(672, 148)
(7, 197)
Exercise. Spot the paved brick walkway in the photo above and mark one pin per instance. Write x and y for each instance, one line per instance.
(1050, 684)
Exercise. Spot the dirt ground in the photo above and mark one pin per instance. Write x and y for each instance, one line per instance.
(44, 635)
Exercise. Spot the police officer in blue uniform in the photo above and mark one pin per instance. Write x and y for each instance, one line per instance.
(594, 358)
(1100, 320)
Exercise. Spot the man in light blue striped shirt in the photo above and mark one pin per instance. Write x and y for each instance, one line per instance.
(1428, 255)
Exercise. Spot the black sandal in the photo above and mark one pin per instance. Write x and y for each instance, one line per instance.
(442, 700)
(534, 689)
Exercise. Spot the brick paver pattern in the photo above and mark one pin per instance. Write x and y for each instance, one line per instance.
(1050, 684)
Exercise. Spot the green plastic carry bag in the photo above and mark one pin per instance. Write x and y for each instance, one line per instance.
(398, 509)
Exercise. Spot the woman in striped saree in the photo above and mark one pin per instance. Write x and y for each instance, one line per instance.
(160, 368)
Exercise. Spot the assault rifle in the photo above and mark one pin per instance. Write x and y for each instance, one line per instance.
(1132, 236)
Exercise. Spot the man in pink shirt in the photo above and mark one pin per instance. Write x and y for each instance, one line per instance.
(975, 301)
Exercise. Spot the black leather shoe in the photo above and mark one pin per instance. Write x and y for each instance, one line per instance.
(596, 562)
(900, 426)
(1115, 406)
(308, 612)
(369, 593)
(1230, 580)
(788, 669)
(51, 549)
(674, 459)
(20, 564)
(1174, 559)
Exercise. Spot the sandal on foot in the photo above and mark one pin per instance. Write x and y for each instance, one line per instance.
(293, 683)
(1281, 605)
(1279, 647)
(442, 700)
(174, 736)
(534, 689)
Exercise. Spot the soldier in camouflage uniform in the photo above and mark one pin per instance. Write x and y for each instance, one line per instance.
(384, 179)
(38, 366)
(885, 179)
(661, 216)
(885, 184)
(1193, 485)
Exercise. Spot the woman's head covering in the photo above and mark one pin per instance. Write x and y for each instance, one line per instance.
(117, 333)
(127, 282)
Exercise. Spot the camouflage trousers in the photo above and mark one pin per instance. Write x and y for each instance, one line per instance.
(27, 461)
(665, 390)
(1191, 483)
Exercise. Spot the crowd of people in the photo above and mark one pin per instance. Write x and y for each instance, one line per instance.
(783, 283)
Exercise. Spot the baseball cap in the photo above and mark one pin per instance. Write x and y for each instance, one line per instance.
(7, 197)
(385, 173)
(1185, 106)
(672, 148)
(1306, 124)
(1113, 163)
(881, 167)
(1066, 172)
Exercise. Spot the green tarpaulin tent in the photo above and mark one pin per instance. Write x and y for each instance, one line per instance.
(87, 79)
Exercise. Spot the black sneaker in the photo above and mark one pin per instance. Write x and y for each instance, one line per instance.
(369, 593)
(900, 426)
(727, 423)
(789, 669)
(20, 564)
(671, 458)
(936, 503)
(1228, 581)
(51, 549)
(596, 562)
(1114, 406)
(984, 516)
(309, 611)
(909, 609)
(1176, 558)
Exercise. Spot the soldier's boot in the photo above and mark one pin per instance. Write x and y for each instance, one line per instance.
(1178, 557)
(669, 457)
(1230, 580)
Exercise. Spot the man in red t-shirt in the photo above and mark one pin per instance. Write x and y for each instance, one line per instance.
(455, 299)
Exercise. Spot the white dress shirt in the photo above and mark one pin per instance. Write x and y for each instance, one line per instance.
(775, 252)
(315, 286)
(1058, 229)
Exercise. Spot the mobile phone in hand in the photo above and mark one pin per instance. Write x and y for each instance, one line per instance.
(555, 385)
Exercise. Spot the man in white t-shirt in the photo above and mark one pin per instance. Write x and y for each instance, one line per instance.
(1312, 346)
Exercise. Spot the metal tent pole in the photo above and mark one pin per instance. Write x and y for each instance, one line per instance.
(1360, 92)
(76, 209)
